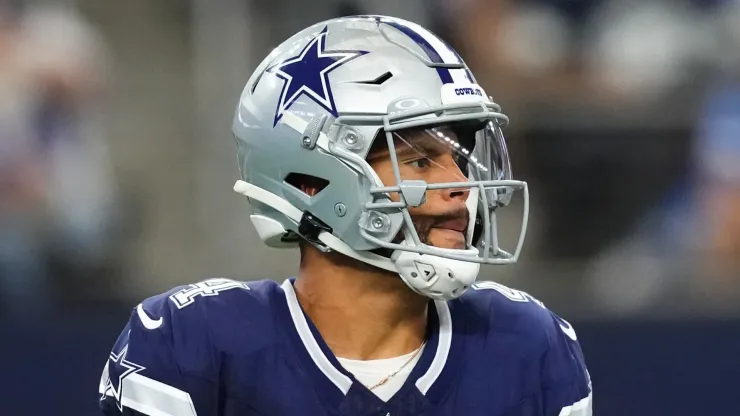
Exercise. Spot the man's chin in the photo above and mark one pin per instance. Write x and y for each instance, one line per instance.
(446, 238)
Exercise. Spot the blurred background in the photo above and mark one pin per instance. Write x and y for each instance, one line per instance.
(117, 162)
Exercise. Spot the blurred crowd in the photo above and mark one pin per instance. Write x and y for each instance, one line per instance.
(57, 189)
(632, 135)
(625, 122)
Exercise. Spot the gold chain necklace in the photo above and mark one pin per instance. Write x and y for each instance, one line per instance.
(393, 374)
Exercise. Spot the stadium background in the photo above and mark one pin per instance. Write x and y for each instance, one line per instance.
(116, 167)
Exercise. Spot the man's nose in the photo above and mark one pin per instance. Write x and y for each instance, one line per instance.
(452, 173)
(456, 193)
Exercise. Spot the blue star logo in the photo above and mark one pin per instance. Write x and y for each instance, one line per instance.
(308, 73)
(124, 369)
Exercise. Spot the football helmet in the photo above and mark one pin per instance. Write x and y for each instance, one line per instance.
(317, 105)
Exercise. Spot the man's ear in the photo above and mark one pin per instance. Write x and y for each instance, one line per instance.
(309, 185)
(309, 190)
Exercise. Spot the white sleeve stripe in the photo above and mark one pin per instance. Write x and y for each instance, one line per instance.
(579, 408)
(154, 398)
(160, 387)
(143, 408)
(104, 377)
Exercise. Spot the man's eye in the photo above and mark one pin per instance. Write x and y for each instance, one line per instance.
(462, 164)
(419, 163)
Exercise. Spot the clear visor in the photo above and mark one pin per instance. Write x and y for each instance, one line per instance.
(450, 177)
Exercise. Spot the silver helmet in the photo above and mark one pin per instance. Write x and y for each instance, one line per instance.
(322, 100)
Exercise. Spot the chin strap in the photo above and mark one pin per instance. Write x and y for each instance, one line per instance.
(294, 214)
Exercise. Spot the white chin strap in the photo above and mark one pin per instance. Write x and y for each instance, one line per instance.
(432, 276)
(436, 277)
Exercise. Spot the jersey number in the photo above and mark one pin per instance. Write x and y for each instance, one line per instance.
(509, 293)
(210, 287)
(519, 296)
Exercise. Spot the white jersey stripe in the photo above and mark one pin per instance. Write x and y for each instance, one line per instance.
(154, 398)
(340, 380)
(582, 407)
(104, 379)
(443, 348)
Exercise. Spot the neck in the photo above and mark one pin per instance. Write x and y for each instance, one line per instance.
(362, 313)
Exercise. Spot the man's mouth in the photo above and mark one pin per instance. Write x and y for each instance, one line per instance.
(452, 233)
(459, 224)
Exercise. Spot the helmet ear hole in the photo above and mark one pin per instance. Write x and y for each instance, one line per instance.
(308, 184)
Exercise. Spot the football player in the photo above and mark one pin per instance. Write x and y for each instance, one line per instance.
(366, 142)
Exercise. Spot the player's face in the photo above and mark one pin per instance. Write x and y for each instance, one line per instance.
(442, 220)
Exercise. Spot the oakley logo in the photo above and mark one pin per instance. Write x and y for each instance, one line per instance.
(407, 103)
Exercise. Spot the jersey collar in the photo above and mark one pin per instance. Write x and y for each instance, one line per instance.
(434, 370)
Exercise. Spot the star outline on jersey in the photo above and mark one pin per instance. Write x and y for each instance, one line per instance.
(313, 54)
(131, 368)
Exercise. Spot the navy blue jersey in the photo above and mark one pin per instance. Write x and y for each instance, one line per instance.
(226, 348)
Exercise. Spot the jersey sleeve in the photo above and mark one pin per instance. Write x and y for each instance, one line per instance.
(160, 364)
(566, 383)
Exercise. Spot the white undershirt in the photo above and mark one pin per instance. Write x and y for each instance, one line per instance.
(370, 372)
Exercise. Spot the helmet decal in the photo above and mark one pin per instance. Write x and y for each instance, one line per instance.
(308, 73)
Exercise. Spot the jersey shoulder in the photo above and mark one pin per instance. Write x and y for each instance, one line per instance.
(528, 325)
(216, 315)
(217, 293)
(507, 309)
(169, 354)
(212, 308)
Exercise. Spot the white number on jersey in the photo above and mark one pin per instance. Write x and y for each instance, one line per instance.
(210, 287)
(509, 293)
(519, 296)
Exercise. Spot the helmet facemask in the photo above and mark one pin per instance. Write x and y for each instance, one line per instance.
(459, 154)
(467, 155)
(466, 141)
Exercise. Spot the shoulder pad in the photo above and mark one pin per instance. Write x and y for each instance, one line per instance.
(215, 309)
(563, 374)
(517, 310)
